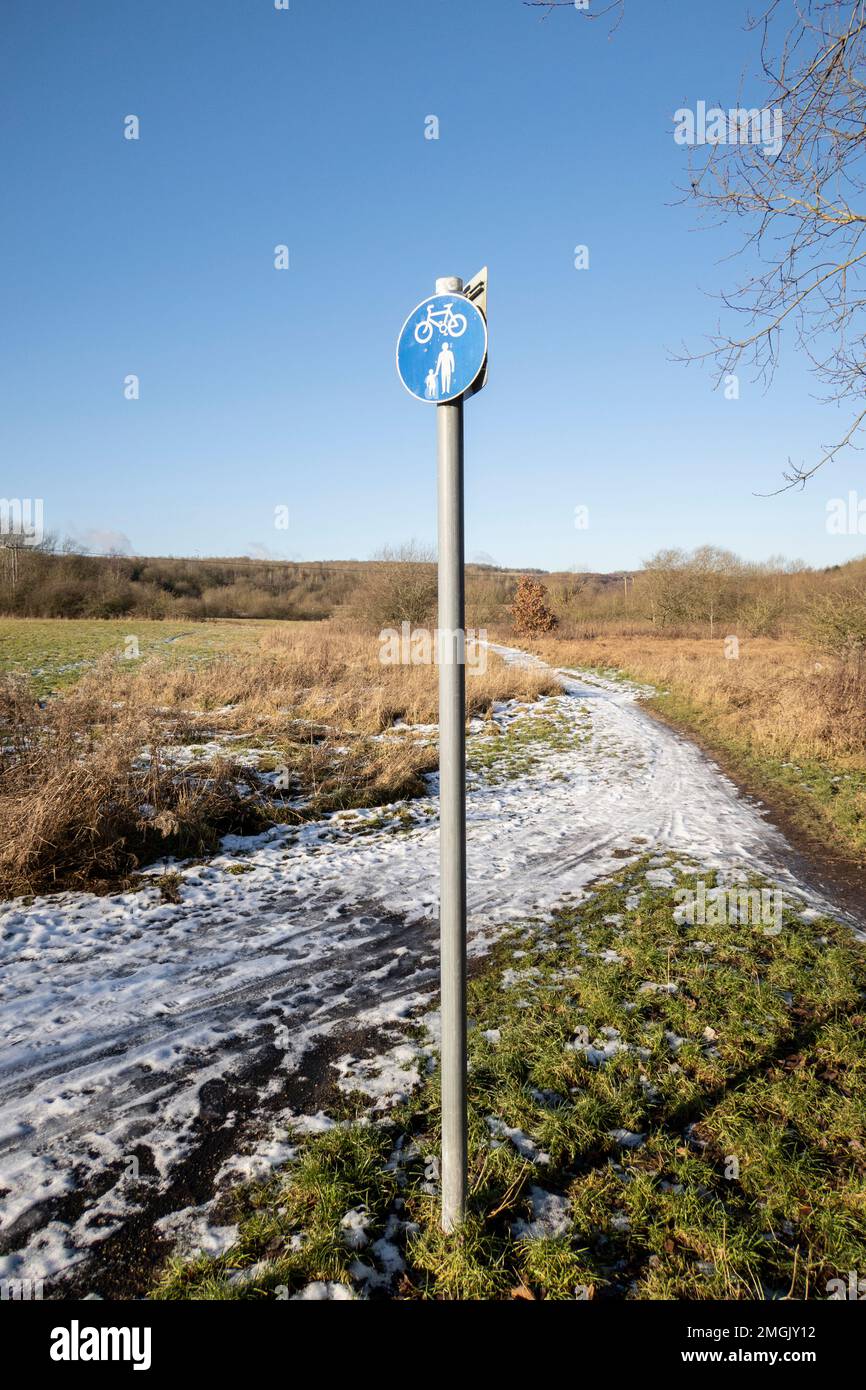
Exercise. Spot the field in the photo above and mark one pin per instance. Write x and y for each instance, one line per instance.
(203, 731)
(788, 725)
(659, 1108)
(53, 653)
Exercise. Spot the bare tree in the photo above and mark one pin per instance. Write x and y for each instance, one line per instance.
(399, 586)
(714, 576)
(803, 208)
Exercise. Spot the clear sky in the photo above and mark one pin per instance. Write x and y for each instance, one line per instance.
(263, 388)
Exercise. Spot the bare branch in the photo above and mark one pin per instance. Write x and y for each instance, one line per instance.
(615, 6)
(802, 199)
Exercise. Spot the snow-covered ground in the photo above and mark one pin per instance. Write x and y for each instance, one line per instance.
(124, 1017)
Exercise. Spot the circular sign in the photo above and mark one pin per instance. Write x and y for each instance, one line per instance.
(441, 348)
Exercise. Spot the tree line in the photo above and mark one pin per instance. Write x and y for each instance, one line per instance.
(704, 592)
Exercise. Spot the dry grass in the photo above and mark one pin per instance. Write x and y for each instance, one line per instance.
(87, 795)
(775, 692)
(89, 791)
(320, 674)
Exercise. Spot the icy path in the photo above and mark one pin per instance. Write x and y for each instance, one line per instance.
(117, 1011)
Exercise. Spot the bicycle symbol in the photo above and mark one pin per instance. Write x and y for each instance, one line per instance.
(454, 325)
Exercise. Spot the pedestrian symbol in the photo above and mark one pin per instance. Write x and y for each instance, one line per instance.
(442, 348)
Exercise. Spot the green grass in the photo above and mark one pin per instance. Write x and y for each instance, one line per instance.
(522, 745)
(747, 1081)
(398, 819)
(55, 651)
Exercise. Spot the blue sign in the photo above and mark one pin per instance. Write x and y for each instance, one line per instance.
(442, 348)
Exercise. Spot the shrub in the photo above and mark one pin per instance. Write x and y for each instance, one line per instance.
(398, 587)
(530, 614)
(836, 623)
(762, 617)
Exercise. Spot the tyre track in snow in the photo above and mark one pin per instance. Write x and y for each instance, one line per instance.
(118, 1011)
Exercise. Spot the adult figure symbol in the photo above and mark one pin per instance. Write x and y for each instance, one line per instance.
(445, 368)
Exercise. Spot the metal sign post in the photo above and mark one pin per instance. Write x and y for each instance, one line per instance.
(440, 356)
(452, 802)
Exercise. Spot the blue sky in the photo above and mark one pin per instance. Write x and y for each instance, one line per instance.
(262, 388)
